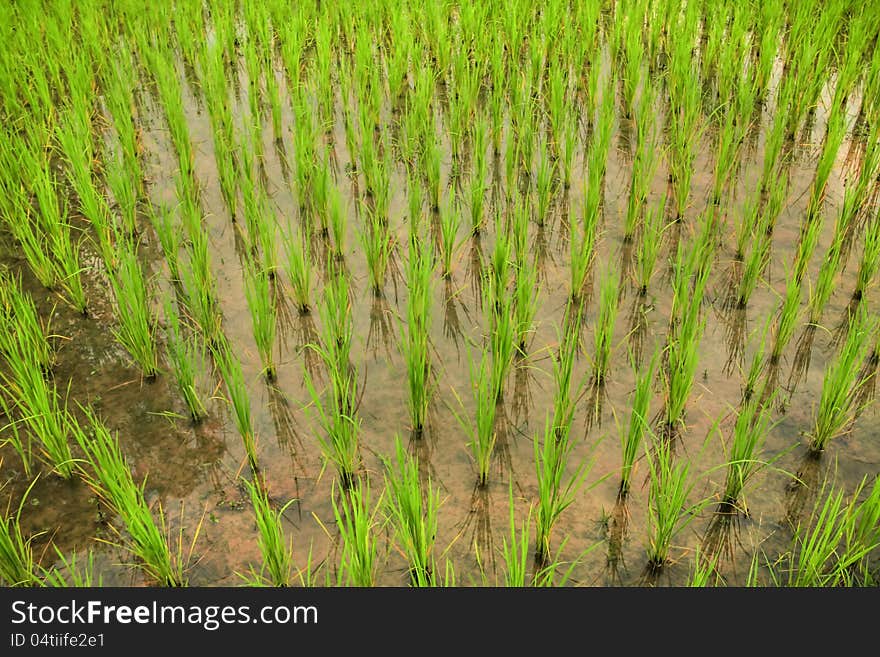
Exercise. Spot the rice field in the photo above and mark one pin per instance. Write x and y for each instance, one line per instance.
(439, 293)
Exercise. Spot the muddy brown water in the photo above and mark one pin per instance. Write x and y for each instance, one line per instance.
(193, 471)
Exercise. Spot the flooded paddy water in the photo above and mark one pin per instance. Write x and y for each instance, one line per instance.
(196, 471)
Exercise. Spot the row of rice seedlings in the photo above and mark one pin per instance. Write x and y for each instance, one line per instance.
(186, 355)
(412, 512)
(556, 489)
(277, 568)
(18, 566)
(358, 523)
(837, 407)
(336, 411)
(261, 303)
(137, 326)
(107, 473)
(639, 423)
(416, 345)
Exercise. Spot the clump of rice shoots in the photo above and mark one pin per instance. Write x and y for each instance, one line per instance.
(668, 491)
(631, 442)
(186, 353)
(412, 512)
(230, 369)
(137, 320)
(358, 524)
(603, 333)
(752, 426)
(786, 320)
(870, 259)
(261, 303)
(450, 221)
(482, 427)
(18, 567)
(416, 345)
(649, 246)
(837, 402)
(556, 489)
(108, 474)
(277, 567)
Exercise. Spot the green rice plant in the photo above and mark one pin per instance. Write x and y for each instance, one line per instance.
(756, 366)
(230, 369)
(416, 346)
(755, 263)
(106, 471)
(563, 375)
(862, 535)
(41, 411)
(603, 332)
(450, 222)
(526, 299)
(187, 358)
(503, 336)
(72, 574)
(123, 189)
(786, 320)
(835, 132)
(821, 292)
(870, 259)
(584, 235)
(413, 514)
(633, 55)
(432, 157)
(358, 525)
(556, 489)
(837, 409)
(544, 176)
(649, 246)
(137, 320)
(631, 441)
(164, 73)
(17, 564)
(170, 239)
(299, 268)
(753, 424)
(379, 243)
(806, 246)
(515, 549)
(644, 163)
(261, 303)
(31, 239)
(21, 329)
(277, 568)
(668, 492)
(482, 428)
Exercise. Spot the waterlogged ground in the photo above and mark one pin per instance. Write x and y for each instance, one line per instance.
(193, 471)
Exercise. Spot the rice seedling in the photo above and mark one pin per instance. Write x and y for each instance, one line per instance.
(18, 567)
(170, 240)
(186, 354)
(413, 514)
(230, 369)
(755, 264)
(503, 337)
(107, 473)
(649, 246)
(563, 375)
(416, 346)
(638, 428)
(358, 525)
(644, 164)
(870, 259)
(836, 409)
(379, 243)
(261, 303)
(277, 567)
(862, 535)
(82, 574)
(450, 222)
(30, 337)
(515, 548)
(669, 488)
(556, 491)
(786, 320)
(482, 427)
(137, 321)
(603, 332)
(743, 454)
(299, 268)
(584, 235)
(544, 177)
